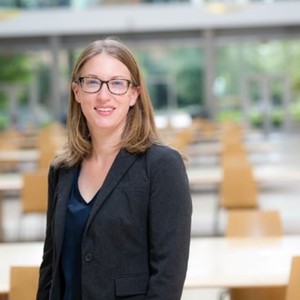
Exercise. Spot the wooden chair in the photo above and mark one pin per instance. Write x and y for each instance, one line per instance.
(233, 147)
(182, 139)
(293, 287)
(206, 129)
(34, 196)
(255, 223)
(238, 188)
(23, 283)
(234, 150)
(47, 154)
(51, 139)
(8, 142)
(232, 132)
(34, 191)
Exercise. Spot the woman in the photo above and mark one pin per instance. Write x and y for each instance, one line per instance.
(119, 205)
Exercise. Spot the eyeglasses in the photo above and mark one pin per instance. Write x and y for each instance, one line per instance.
(93, 85)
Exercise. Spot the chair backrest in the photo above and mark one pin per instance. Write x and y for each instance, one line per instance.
(182, 139)
(253, 222)
(23, 283)
(293, 287)
(205, 127)
(35, 191)
(238, 188)
(47, 154)
(233, 159)
(51, 139)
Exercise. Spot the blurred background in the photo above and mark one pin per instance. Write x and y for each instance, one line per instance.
(236, 60)
(220, 74)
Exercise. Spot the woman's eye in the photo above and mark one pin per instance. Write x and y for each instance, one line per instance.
(92, 82)
(118, 83)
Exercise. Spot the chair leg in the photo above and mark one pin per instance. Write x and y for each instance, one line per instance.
(224, 295)
(216, 218)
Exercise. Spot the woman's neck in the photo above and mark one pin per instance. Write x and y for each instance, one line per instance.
(105, 145)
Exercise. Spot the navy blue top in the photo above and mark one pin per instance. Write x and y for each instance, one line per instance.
(78, 212)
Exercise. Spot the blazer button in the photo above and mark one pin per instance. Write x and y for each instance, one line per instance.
(88, 257)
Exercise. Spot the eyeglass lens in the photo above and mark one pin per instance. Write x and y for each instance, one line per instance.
(115, 86)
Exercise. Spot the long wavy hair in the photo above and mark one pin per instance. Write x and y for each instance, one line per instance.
(140, 131)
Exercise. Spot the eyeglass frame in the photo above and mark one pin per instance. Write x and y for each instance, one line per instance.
(129, 82)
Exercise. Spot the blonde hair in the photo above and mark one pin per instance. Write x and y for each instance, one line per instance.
(140, 131)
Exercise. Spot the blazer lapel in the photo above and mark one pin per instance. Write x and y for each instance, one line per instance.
(119, 168)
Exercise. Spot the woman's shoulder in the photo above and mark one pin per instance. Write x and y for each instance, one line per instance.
(161, 149)
(163, 152)
(162, 159)
(56, 169)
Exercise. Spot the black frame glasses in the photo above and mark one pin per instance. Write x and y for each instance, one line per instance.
(92, 85)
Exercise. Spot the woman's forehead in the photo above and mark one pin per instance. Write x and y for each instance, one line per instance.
(106, 64)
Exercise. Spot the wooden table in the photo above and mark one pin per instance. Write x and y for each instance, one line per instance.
(223, 262)
(213, 263)
(17, 254)
(19, 155)
(264, 175)
(18, 160)
(216, 148)
(11, 182)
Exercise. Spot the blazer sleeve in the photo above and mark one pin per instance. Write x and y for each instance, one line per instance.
(170, 210)
(45, 274)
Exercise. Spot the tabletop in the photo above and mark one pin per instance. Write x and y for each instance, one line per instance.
(216, 148)
(241, 262)
(214, 261)
(264, 175)
(28, 155)
(11, 181)
(17, 254)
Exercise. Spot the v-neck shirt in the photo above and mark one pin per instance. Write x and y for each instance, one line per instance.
(78, 211)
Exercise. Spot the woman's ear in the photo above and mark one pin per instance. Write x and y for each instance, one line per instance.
(75, 89)
(134, 96)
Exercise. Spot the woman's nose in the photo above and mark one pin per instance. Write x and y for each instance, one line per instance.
(104, 90)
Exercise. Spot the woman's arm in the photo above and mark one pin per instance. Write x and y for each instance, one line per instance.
(169, 225)
(45, 277)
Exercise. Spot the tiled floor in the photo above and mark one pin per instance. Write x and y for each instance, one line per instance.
(284, 197)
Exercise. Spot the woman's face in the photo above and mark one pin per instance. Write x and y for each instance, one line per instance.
(104, 110)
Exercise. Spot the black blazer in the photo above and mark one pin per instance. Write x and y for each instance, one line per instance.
(136, 242)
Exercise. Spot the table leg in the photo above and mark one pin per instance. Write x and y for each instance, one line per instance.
(216, 229)
(1, 220)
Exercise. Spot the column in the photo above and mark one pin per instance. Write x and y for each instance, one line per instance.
(209, 73)
(55, 81)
